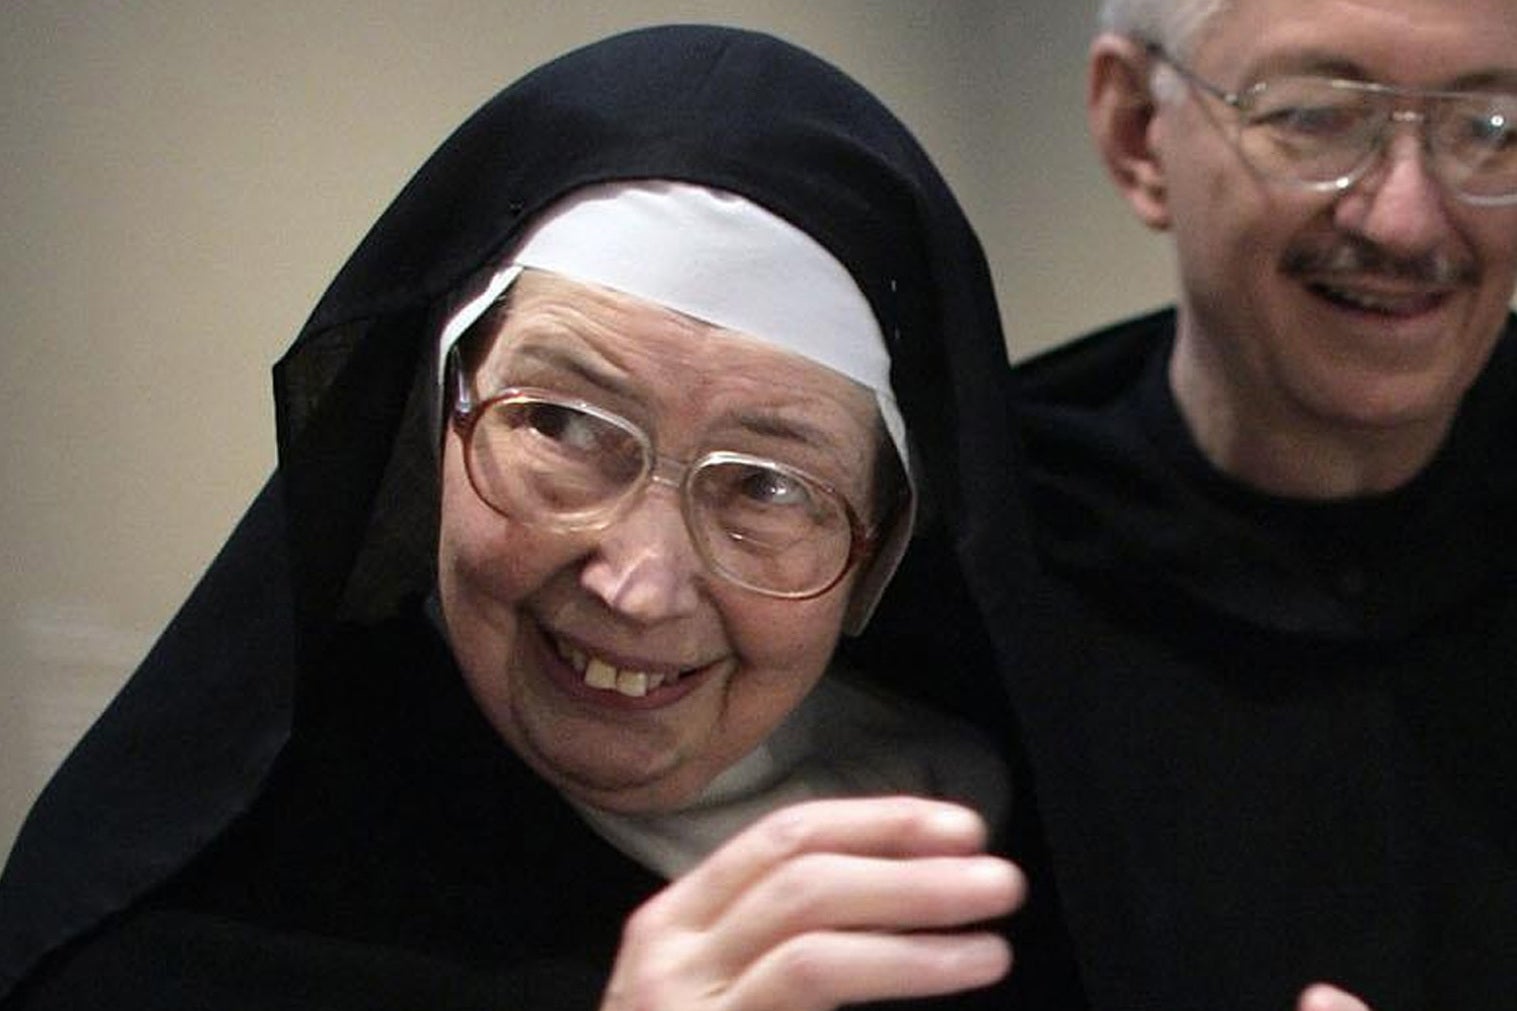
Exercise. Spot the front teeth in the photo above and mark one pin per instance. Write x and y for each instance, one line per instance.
(1361, 300)
(1373, 302)
(601, 675)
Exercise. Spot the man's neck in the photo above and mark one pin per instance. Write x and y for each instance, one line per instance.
(1265, 445)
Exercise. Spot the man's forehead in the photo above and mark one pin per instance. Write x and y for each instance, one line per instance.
(1425, 42)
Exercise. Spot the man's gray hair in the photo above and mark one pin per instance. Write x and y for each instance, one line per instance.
(1176, 25)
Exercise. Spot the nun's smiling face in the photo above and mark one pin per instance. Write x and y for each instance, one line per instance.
(612, 656)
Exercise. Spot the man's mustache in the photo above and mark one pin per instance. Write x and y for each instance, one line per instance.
(1358, 258)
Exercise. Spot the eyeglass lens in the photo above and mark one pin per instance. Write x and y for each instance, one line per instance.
(769, 527)
(1322, 131)
(757, 522)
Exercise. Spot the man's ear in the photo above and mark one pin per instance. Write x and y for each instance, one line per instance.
(1120, 108)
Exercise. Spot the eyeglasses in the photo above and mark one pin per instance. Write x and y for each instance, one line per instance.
(549, 460)
(1323, 133)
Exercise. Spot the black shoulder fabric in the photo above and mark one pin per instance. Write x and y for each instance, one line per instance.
(1271, 739)
(347, 527)
(130, 803)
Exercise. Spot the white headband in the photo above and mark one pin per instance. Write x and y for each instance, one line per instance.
(722, 259)
(717, 257)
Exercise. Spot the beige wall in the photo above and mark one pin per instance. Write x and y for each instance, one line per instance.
(181, 180)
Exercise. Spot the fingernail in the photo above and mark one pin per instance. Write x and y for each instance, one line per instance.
(956, 822)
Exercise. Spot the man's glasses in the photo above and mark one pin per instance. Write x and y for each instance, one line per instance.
(543, 459)
(1322, 133)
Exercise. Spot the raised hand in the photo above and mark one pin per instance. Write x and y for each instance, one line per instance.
(823, 904)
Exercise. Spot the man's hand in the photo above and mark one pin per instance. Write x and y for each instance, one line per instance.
(823, 904)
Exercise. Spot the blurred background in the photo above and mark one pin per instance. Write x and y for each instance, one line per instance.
(183, 178)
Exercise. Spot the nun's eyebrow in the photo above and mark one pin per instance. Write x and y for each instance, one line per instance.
(788, 427)
(558, 358)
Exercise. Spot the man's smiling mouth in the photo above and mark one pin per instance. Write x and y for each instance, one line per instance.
(1384, 301)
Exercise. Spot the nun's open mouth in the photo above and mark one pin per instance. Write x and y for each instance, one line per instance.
(603, 675)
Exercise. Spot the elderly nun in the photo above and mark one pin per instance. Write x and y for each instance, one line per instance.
(589, 455)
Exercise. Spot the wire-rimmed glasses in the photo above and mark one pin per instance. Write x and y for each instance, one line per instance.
(1325, 133)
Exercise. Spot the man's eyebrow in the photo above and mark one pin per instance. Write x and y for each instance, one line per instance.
(1305, 63)
(1501, 79)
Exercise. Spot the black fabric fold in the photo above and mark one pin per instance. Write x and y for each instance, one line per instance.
(1271, 739)
(97, 838)
(345, 532)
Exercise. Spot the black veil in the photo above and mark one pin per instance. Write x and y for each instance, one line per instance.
(346, 526)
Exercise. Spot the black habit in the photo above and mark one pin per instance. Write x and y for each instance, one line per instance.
(292, 803)
(1273, 740)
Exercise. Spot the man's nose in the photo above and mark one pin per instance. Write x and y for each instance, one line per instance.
(645, 565)
(1400, 204)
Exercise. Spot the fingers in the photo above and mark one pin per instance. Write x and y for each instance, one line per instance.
(824, 904)
(821, 892)
(1323, 997)
(885, 827)
(814, 972)
(821, 971)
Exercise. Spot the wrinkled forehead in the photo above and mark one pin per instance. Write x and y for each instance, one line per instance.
(548, 317)
(1430, 43)
(618, 350)
(713, 256)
